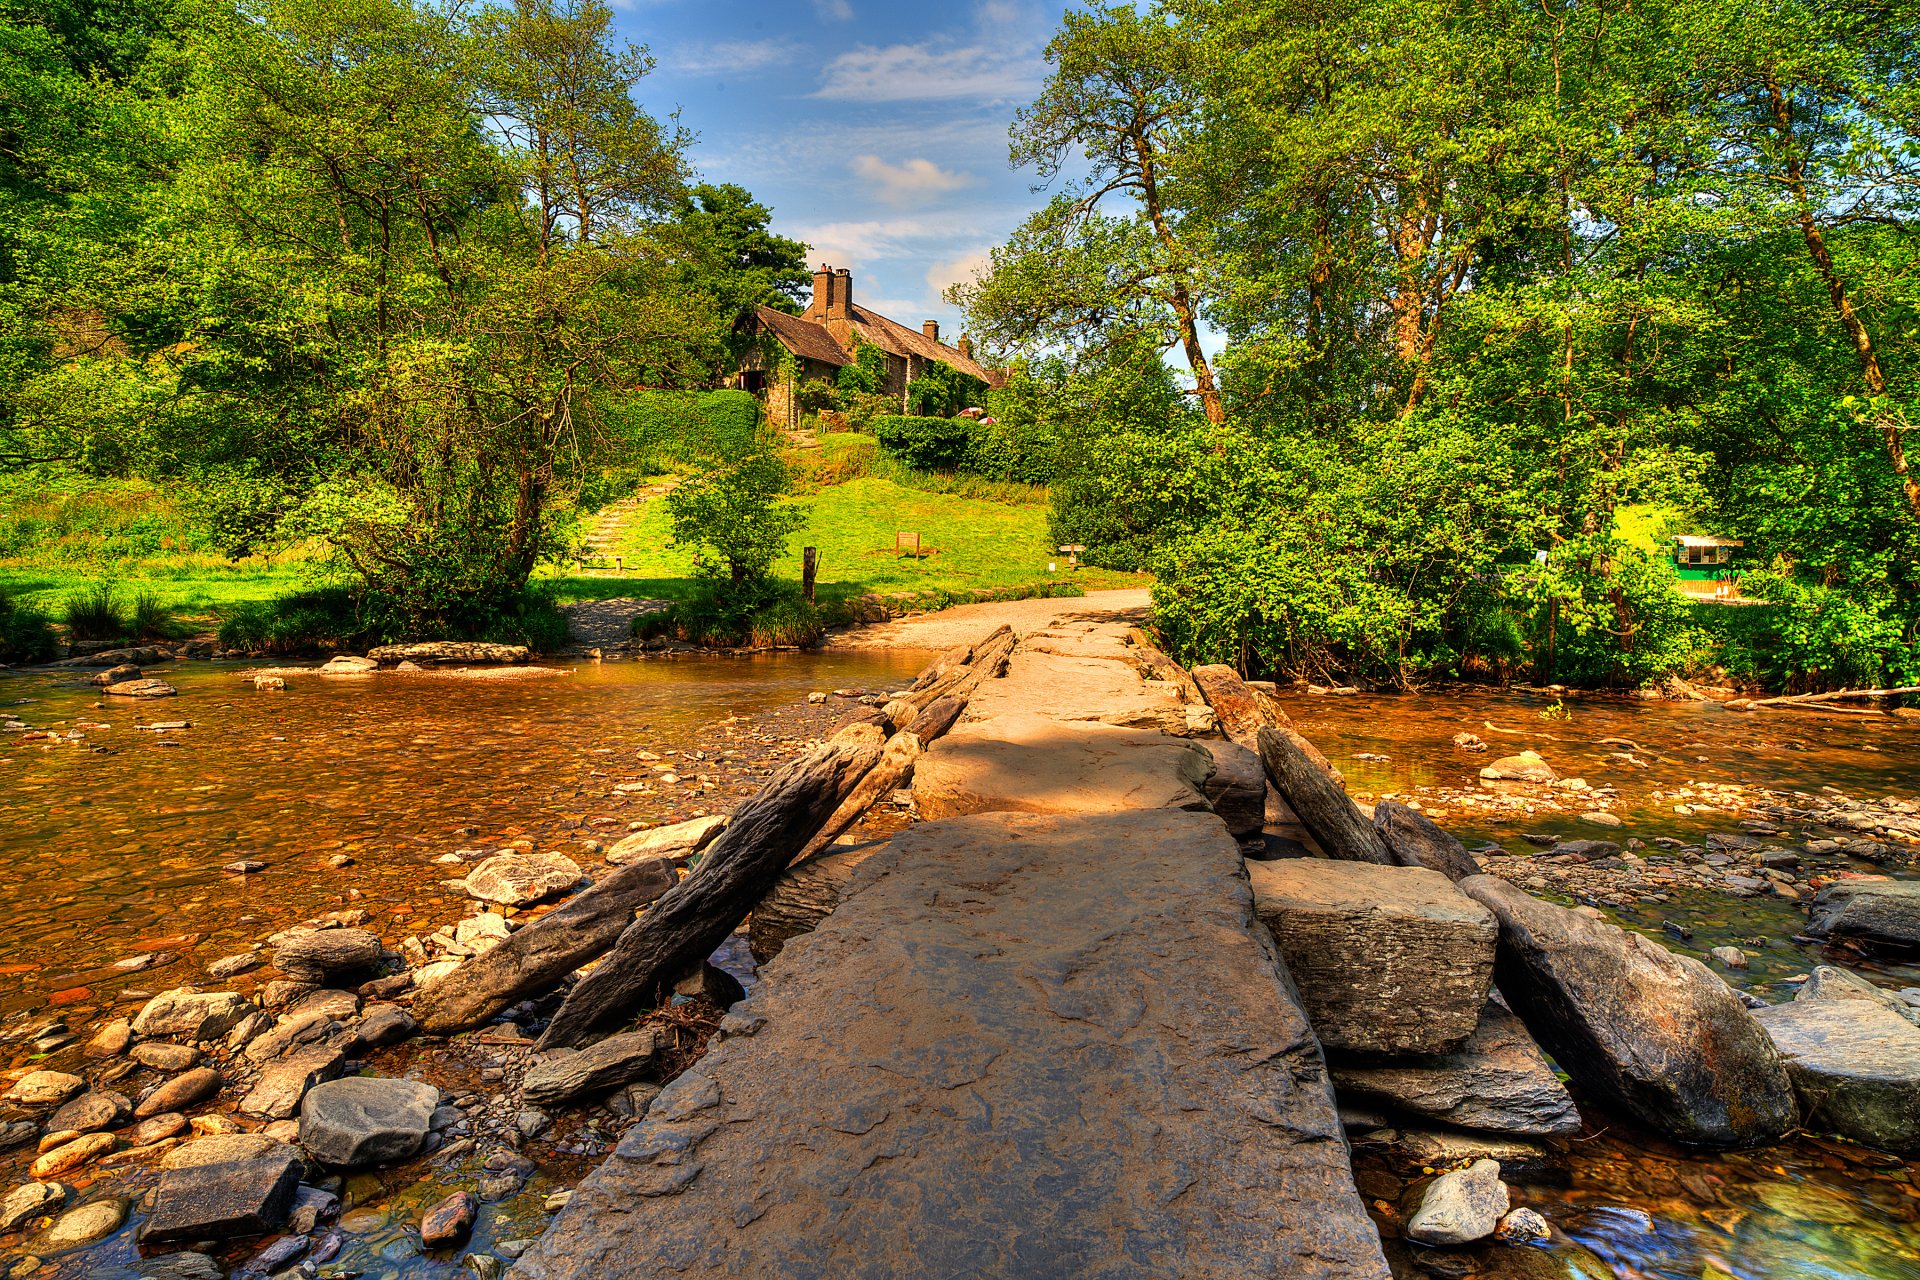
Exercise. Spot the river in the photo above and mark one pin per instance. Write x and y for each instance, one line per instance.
(350, 792)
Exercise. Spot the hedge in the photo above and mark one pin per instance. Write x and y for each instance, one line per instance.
(925, 444)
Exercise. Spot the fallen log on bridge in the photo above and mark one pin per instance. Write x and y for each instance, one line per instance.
(695, 916)
(534, 960)
(1323, 805)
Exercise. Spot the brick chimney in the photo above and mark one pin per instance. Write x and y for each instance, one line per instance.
(931, 328)
(965, 346)
(840, 296)
(822, 293)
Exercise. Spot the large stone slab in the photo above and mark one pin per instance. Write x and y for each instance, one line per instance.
(1881, 914)
(1026, 763)
(1497, 1081)
(1650, 1032)
(1386, 959)
(363, 1120)
(1854, 1060)
(222, 1201)
(1024, 1046)
(1074, 688)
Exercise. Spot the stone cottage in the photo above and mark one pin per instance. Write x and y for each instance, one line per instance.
(816, 345)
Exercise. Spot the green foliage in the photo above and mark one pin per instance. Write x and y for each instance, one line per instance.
(686, 426)
(942, 391)
(733, 510)
(758, 614)
(926, 444)
(300, 622)
(1607, 613)
(150, 619)
(95, 614)
(25, 633)
(737, 258)
(1809, 635)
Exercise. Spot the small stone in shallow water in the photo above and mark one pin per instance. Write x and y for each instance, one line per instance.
(84, 1225)
(165, 1057)
(448, 1222)
(1524, 1226)
(245, 866)
(45, 1088)
(33, 1200)
(1729, 957)
(1461, 1207)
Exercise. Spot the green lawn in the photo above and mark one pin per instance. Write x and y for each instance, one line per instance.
(967, 544)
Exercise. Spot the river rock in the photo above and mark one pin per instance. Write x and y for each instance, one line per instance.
(1524, 1226)
(225, 1148)
(328, 1002)
(1881, 914)
(183, 1091)
(90, 1112)
(447, 1223)
(678, 841)
(321, 954)
(1415, 840)
(168, 1124)
(122, 674)
(516, 879)
(16, 1133)
(365, 1120)
(285, 1082)
(1462, 1206)
(597, 1069)
(161, 1056)
(45, 1088)
(1386, 959)
(70, 1156)
(233, 966)
(83, 1225)
(1655, 1034)
(140, 689)
(1854, 1055)
(1525, 767)
(346, 664)
(34, 1200)
(111, 1040)
(186, 1265)
(222, 1201)
(1498, 1080)
(384, 1025)
(1237, 789)
(433, 651)
(191, 1015)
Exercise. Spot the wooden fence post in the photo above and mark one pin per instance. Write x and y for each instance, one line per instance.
(809, 566)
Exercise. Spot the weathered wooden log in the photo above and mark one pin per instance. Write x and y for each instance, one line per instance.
(958, 656)
(1838, 695)
(1323, 806)
(989, 660)
(894, 770)
(936, 718)
(533, 960)
(696, 915)
(1415, 840)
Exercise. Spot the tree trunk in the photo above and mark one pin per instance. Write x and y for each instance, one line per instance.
(1323, 806)
(534, 960)
(1856, 329)
(696, 915)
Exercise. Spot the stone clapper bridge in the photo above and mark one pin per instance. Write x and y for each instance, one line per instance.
(1062, 1027)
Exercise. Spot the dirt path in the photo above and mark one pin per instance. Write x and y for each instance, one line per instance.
(969, 622)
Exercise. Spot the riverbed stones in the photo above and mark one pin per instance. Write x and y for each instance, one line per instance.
(188, 1014)
(430, 652)
(600, 1068)
(45, 1088)
(1855, 1060)
(1655, 1034)
(1025, 763)
(140, 689)
(320, 955)
(91, 1112)
(1878, 914)
(222, 1201)
(34, 1200)
(1498, 1080)
(516, 879)
(1461, 1207)
(366, 1120)
(69, 1156)
(1528, 766)
(677, 841)
(187, 1089)
(111, 1040)
(83, 1225)
(447, 1223)
(162, 1056)
(285, 1082)
(1386, 959)
(347, 664)
(997, 1057)
(225, 1148)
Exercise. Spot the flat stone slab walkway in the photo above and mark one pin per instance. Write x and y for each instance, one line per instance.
(1026, 1045)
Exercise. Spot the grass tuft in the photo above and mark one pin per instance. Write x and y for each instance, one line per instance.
(94, 614)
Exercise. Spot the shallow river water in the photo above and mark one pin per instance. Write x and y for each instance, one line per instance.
(116, 836)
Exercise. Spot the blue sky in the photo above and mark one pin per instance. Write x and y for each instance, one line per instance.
(876, 131)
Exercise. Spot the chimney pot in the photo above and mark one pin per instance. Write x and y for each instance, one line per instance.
(931, 328)
(839, 304)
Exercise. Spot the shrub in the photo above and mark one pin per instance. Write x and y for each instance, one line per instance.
(95, 614)
(761, 614)
(787, 623)
(534, 620)
(926, 444)
(25, 633)
(733, 510)
(687, 425)
(151, 620)
(303, 622)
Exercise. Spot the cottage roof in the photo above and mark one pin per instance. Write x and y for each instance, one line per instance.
(802, 337)
(894, 337)
(1701, 540)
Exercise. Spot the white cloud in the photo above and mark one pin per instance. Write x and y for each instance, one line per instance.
(833, 10)
(931, 71)
(864, 241)
(724, 56)
(956, 270)
(914, 182)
